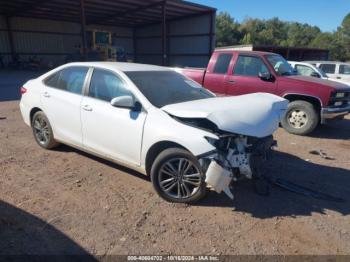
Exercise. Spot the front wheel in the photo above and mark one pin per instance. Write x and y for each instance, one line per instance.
(178, 177)
(301, 118)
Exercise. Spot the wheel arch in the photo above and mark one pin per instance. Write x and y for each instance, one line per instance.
(32, 112)
(155, 150)
(303, 97)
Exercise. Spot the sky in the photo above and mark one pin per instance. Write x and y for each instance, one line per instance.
(326, 14)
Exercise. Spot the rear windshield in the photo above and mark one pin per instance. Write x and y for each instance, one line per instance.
(163, 88)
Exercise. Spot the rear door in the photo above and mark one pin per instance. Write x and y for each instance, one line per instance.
(216, 74)
(107, 130)
(61, 99)
(244, 76)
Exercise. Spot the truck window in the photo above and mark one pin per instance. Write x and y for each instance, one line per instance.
(328, 68)
(249, 66)
(344, 69)
(222, 63)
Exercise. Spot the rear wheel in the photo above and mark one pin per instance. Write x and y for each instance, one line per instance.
(177, 176)
(301, 118)
(42, 131)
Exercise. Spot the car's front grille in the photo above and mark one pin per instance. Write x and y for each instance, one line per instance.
(340, 101)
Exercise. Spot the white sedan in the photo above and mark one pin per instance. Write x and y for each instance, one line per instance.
(154, 120)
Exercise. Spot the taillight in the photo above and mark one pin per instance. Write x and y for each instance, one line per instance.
(23, 90)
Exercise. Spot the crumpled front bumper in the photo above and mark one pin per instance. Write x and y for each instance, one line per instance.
(334, 112)
(244, 159)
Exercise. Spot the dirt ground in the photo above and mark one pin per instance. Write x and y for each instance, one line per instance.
(68, 202)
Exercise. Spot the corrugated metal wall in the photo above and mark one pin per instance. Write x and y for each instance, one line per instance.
(52, 40)
(188, 42)
(4, 41)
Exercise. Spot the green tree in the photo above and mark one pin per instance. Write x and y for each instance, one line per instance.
(227, 32)
(280, 33)
(344, 32)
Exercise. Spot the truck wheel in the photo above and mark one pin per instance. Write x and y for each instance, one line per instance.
(178, 177)
(301, 118)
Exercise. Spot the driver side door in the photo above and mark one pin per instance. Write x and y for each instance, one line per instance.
(244, 77)
(107, 130)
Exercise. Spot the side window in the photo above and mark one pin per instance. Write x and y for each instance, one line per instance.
(328, 68)
(304, 70)
(105, 85)
(249, 66)
(344, 69)
(72, 79)
(52, 80)
(222, 63)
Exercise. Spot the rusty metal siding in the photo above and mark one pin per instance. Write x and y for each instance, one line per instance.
(53, 40)
(31, 24)
(188, 42)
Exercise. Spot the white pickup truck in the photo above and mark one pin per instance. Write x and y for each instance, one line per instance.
(311, 69)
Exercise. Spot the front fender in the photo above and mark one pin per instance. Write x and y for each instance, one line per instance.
(160, 127)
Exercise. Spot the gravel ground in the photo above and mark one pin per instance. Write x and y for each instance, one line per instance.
(68, 202)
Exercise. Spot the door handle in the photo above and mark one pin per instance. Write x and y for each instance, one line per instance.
(231, 82)
(87, 108)
(46, 94)
(338, 77)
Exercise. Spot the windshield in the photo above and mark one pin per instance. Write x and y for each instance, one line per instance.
(163, 88)
(281, 66)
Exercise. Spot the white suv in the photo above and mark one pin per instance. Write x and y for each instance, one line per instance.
(335, 70)
(154, 120)
(307, 69)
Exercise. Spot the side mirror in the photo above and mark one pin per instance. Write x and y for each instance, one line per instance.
(315, 74)
(124, 102)
(266, 76)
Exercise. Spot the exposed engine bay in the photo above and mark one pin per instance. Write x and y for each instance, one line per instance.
(236, 157)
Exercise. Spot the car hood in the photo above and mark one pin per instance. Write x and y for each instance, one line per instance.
(255, 115)
(339, 81)
(322, 82)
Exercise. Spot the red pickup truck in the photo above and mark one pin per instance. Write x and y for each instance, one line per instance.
(312, 100)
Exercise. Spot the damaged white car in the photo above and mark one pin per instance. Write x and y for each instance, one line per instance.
(156, 121)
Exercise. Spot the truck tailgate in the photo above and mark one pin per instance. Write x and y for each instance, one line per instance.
(196, 74)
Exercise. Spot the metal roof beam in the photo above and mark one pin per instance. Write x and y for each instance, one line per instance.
(29, 7)
(127, 12)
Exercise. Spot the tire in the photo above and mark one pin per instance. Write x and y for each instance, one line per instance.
(167, 181)
(42, 131)
(301, 118)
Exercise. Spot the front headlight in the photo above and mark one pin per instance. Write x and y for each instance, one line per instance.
(339, 95)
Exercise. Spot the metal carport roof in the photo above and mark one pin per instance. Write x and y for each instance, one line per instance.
(127, 13)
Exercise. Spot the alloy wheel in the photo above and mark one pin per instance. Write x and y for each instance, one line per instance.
(179, 178)
(41, 130)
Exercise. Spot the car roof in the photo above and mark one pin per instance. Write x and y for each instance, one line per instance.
(301, 63)
(242, 51)
(327, 62)
(122, 66)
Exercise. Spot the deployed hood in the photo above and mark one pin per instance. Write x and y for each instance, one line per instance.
(324, 82)
(255, 115)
